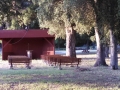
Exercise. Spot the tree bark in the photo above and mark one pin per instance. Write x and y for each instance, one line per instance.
(70, 42)
(106, 51)
(113, 51)
(100, 51)
(113, 42)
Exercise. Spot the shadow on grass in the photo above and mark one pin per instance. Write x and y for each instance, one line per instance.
(88, 77)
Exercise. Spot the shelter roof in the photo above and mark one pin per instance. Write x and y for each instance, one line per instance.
(34, 33)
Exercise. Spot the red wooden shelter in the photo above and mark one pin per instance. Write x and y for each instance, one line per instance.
(17, 42)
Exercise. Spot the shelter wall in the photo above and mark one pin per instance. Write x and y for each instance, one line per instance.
(18, 46)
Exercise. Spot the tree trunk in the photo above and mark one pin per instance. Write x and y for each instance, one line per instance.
(58, 44)
(70, 42)
(113, 51)
(106, 51)
(100, 51)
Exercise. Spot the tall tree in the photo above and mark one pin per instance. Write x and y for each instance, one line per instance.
(97, 7)
(109, 12)
(64, 17)
(112, 16)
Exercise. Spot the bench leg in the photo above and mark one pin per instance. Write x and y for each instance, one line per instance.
(11, 65)
(77, 67)
(59, 66)
(27, 65)
(55, 62)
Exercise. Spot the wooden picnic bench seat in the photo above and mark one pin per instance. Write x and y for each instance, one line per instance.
(19, 59)
(62, 60)
(50, 59)
(65, 60)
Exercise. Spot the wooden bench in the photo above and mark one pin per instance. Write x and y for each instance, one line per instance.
(65, 60)
(19, 59)
(62, 60)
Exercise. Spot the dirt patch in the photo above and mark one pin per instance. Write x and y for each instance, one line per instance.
(82, 69)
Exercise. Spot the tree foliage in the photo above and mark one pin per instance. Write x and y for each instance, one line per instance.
(59, 14)
(17, 12)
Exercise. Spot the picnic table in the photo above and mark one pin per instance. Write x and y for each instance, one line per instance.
(85, 51)
(59, 60)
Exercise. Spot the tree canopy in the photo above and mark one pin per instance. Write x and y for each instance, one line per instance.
(59, 14)
(14, 13)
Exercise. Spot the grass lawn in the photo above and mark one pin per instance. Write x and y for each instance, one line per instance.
(86, 77)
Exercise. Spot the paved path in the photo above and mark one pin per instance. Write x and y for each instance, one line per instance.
(63, 52)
